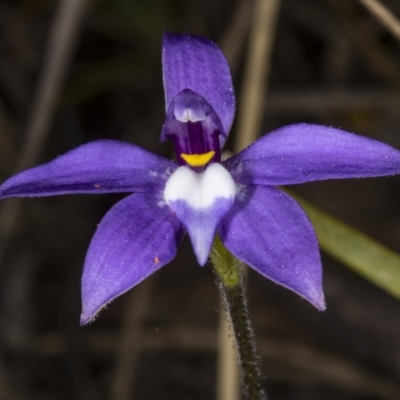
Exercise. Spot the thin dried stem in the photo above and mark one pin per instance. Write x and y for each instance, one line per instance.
(359, 31)
(63, 35)
(228, 370)
(233, 39)
(384, 16)
(130, 341)
(257, 68)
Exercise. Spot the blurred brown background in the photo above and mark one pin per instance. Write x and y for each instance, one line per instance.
(332, 63)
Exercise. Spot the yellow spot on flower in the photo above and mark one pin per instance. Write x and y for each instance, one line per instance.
(156, 260)
(198, 160)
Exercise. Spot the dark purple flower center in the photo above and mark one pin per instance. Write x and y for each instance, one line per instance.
(194, 127)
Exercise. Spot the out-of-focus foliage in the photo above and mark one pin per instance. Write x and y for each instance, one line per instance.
(357, 251)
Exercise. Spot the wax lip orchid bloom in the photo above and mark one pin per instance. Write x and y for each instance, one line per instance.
(236, 199)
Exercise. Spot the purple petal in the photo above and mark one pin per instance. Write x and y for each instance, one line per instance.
(136, 237)
(304, 153)
(99, 167)
(268, 230)
(195, 63)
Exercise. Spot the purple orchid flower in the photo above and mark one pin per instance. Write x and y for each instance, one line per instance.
(237, 198)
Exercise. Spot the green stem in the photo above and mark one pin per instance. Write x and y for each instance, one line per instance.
(229, 272)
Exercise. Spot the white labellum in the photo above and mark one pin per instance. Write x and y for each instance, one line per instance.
(199, 189)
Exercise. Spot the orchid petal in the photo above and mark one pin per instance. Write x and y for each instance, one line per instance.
(102, 166)
(195, 63)
(136, 237)
(269, 231)
(200, 201)
(304, 153)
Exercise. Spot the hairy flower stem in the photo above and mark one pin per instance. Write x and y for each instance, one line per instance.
(229, 272)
